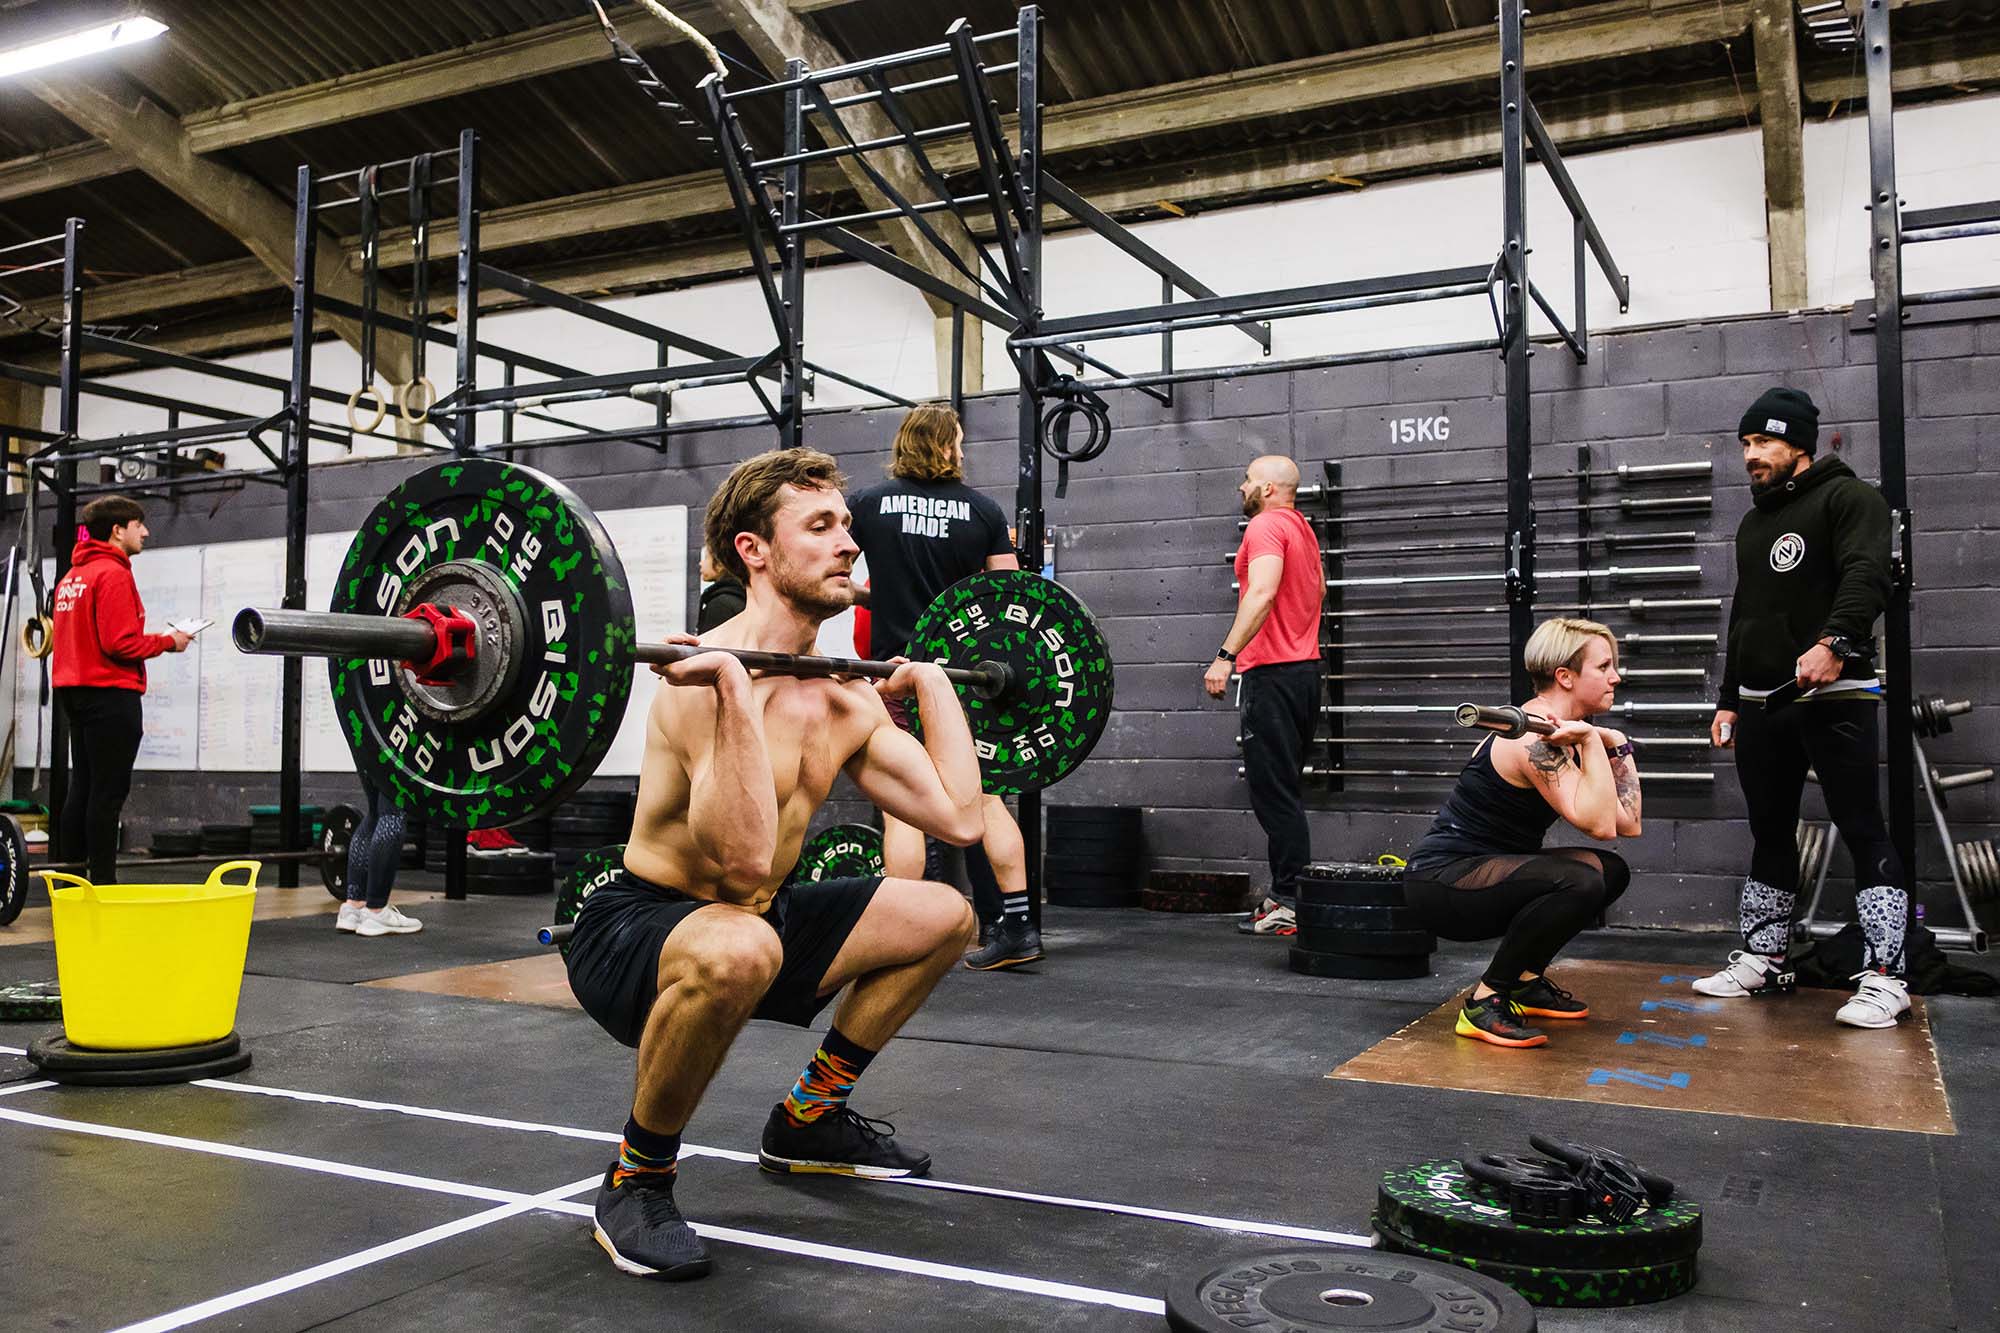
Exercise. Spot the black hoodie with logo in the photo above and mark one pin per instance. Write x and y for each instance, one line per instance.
(1812, 559)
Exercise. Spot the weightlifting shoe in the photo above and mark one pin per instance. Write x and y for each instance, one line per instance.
(1496, 1020)
(1542, 998)
(388, 921)
(1879, 1003)
(842, 1142)
(1749, 974)
(1271, 917)
(349, 918)
(641, 1228)
(1007, 945)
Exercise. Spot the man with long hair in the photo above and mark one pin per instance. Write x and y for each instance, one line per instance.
(700, 933)
(923, 530)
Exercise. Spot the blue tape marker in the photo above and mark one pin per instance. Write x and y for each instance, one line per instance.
(1638, 1078)
(1662, 1039)
(1680, 1006)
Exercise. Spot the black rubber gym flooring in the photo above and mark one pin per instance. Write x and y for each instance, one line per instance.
(400, 1159)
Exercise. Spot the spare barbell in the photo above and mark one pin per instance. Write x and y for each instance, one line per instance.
(481, 649)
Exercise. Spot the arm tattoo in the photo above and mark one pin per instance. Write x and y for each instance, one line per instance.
(1627, 782)
(1548, 759)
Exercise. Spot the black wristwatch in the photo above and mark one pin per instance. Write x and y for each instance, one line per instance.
(1843, 647)
(1224, 655)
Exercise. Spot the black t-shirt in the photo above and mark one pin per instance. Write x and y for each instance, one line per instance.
(920, 537)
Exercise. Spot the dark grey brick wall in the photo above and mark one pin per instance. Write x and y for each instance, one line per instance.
(1143, 531)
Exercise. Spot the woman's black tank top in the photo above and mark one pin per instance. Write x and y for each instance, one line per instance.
(1485, 815)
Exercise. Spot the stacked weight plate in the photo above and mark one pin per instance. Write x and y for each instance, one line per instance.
(1434, 1210)
(264, 831)
(1195, 891)
(225, 839)
(1354, 922)
(176, 842)
(588, 819)
(510, 872)
(1092, 855)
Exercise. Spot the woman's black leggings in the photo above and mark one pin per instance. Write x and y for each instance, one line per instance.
(374, 852)
(1533, 904)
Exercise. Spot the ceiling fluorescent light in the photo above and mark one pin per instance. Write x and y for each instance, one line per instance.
(73, 46)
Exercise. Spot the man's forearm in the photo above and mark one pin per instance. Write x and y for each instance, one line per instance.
(948, 740)
(734, 799)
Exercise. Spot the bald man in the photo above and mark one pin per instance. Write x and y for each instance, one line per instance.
(1274, 644)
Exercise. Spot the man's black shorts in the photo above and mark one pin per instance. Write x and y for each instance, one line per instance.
(614, 956)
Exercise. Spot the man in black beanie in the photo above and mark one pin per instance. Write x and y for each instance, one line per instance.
(1799, 690)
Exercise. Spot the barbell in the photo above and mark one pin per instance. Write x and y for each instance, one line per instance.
(481, 649)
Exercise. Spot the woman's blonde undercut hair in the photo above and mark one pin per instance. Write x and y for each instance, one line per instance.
(1559, 643)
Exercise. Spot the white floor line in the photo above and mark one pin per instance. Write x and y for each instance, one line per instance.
(264, 1291)
(215, 1149)
(26, 1087)
(524, 1203)
(13, 1050)
(1244, 1225)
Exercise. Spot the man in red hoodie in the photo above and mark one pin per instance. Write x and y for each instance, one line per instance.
(99, 673)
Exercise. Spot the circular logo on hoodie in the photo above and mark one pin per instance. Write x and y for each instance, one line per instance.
(1787, 551)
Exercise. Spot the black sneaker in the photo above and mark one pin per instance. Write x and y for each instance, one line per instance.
(643, 1231)
(839, 1143)
(1542, 998)
(1006, 946)
(1496, 1021)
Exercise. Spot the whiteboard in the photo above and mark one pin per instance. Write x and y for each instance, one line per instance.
(240, 692)
(172, 591)
(653, 546)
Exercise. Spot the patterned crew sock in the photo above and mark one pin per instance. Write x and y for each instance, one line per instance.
(1766, 917)
(828, 1081)
(1014, 910)
(1884, 911)
(644, 1151)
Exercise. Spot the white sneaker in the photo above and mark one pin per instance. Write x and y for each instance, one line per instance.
(349, 918)
(388, 921)
(1878, 1004)
(1749, 974)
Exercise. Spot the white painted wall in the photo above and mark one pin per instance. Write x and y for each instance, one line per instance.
(1685, 219)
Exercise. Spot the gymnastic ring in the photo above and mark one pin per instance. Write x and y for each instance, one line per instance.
(420, 387)
(38, 636)
(354, 416)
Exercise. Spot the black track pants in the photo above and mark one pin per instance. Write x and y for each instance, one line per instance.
(1837, 739)
(1280, 711)
(104, 731)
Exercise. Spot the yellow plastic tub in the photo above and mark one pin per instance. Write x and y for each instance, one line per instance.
(144, 966)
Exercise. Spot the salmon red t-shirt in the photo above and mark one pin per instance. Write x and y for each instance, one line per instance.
(1291, 632)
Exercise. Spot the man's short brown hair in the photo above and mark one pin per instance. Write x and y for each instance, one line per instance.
(926, 447)
(747, 500)
(107, 512)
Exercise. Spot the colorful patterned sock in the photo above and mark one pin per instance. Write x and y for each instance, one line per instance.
(643, 1150)
(828, 1081)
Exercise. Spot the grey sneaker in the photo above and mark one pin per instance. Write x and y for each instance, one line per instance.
(1006, 946)
(1270, 918)
(643, 1231)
